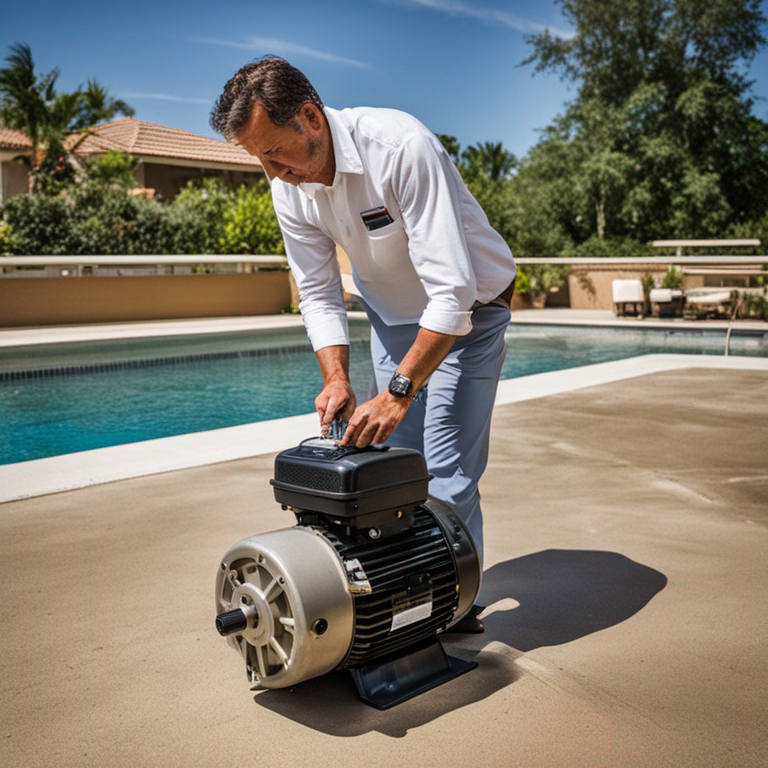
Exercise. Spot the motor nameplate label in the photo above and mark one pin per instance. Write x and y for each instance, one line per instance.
(408, 608)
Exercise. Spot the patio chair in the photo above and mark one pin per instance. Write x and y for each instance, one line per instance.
(625, 293)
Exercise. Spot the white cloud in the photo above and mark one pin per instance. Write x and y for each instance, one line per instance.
(487, 15)
(283, 47)
(166, 97)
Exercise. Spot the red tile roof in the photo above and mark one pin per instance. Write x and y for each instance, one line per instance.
(143, 139)
(10, 139)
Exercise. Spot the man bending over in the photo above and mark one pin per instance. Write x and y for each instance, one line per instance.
(435, 279)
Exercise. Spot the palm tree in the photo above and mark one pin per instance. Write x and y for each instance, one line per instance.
(97, 106)
(490, 159)
(24, 97)
(29, 103)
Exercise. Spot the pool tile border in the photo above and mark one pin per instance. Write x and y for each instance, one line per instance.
(151, 362)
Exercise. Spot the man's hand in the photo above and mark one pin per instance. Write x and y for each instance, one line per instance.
(376, 420)
(336, 399)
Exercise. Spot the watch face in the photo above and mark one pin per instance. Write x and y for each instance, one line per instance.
(399, 385)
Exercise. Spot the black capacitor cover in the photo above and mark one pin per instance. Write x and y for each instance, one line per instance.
(347, 482)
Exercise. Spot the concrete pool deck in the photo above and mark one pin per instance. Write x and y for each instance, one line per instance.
(626, 507)
(624, 574)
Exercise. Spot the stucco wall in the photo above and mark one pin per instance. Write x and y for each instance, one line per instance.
(69, 301)
(592, 287)
(13, 179)
(168, 180)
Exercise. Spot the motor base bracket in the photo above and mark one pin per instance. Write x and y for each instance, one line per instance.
(395, 679)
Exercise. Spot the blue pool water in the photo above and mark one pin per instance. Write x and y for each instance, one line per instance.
(123, 392)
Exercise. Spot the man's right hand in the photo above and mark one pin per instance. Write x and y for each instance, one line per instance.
(336, 399)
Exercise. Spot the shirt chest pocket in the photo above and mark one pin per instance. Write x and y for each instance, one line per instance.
(388, 247)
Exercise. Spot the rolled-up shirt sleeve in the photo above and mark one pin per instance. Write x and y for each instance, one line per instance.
(312, 259)
(425, 184)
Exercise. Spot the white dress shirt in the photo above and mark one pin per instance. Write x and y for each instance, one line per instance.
(437, 257)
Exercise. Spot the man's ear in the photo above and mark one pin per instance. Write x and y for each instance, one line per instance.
(312, 115)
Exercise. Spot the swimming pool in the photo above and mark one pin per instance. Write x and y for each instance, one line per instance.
(69, 398)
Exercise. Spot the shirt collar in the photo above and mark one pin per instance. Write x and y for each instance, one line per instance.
(345, 152)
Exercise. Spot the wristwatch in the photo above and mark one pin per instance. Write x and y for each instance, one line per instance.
(400, 385)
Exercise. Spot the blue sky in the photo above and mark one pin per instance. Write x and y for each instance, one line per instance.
(453, 64)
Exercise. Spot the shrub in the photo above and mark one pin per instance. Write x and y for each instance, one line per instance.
(98, 215)
(649, 283)
(38, 224)
(112, 168)
(543, 278)
(250, 224)
(673, 278)
(756, 305)
(197, 214)
(522, 283)
(5, 238)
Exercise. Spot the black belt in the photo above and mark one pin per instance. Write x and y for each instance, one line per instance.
(505, 298)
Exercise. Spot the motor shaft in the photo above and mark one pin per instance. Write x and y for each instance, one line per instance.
(231, 622)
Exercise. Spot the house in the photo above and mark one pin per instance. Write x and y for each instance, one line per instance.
(13, 175)
(167, 157)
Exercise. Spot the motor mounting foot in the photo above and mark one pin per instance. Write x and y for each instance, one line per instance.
(395, 679)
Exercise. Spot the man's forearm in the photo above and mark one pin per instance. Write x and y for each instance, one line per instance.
(427, 352)
(334, 363)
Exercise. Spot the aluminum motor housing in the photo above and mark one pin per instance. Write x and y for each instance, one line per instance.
(335, 591)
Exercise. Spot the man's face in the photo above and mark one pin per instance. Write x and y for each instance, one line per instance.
(291, 155)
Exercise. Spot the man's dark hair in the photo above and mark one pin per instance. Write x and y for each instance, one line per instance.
(277, 85)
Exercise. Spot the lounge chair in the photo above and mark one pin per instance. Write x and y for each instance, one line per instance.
(708, 304)
(626, 292)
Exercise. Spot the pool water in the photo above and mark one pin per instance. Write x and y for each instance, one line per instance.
(541, 348)
(248, 379)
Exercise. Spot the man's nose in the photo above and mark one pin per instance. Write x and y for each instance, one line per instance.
(276, 169)
(283, 172)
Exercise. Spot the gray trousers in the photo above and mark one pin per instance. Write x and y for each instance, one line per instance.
(450, 420)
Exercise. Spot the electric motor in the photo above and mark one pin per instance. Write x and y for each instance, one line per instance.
(373, 570)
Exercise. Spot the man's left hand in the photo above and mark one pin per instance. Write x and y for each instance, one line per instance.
(376, 420)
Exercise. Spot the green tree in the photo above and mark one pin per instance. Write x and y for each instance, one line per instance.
(552, 212)
(485, 169)
(667, 142)
(30, 103)
(673, 43)
(25, 96)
